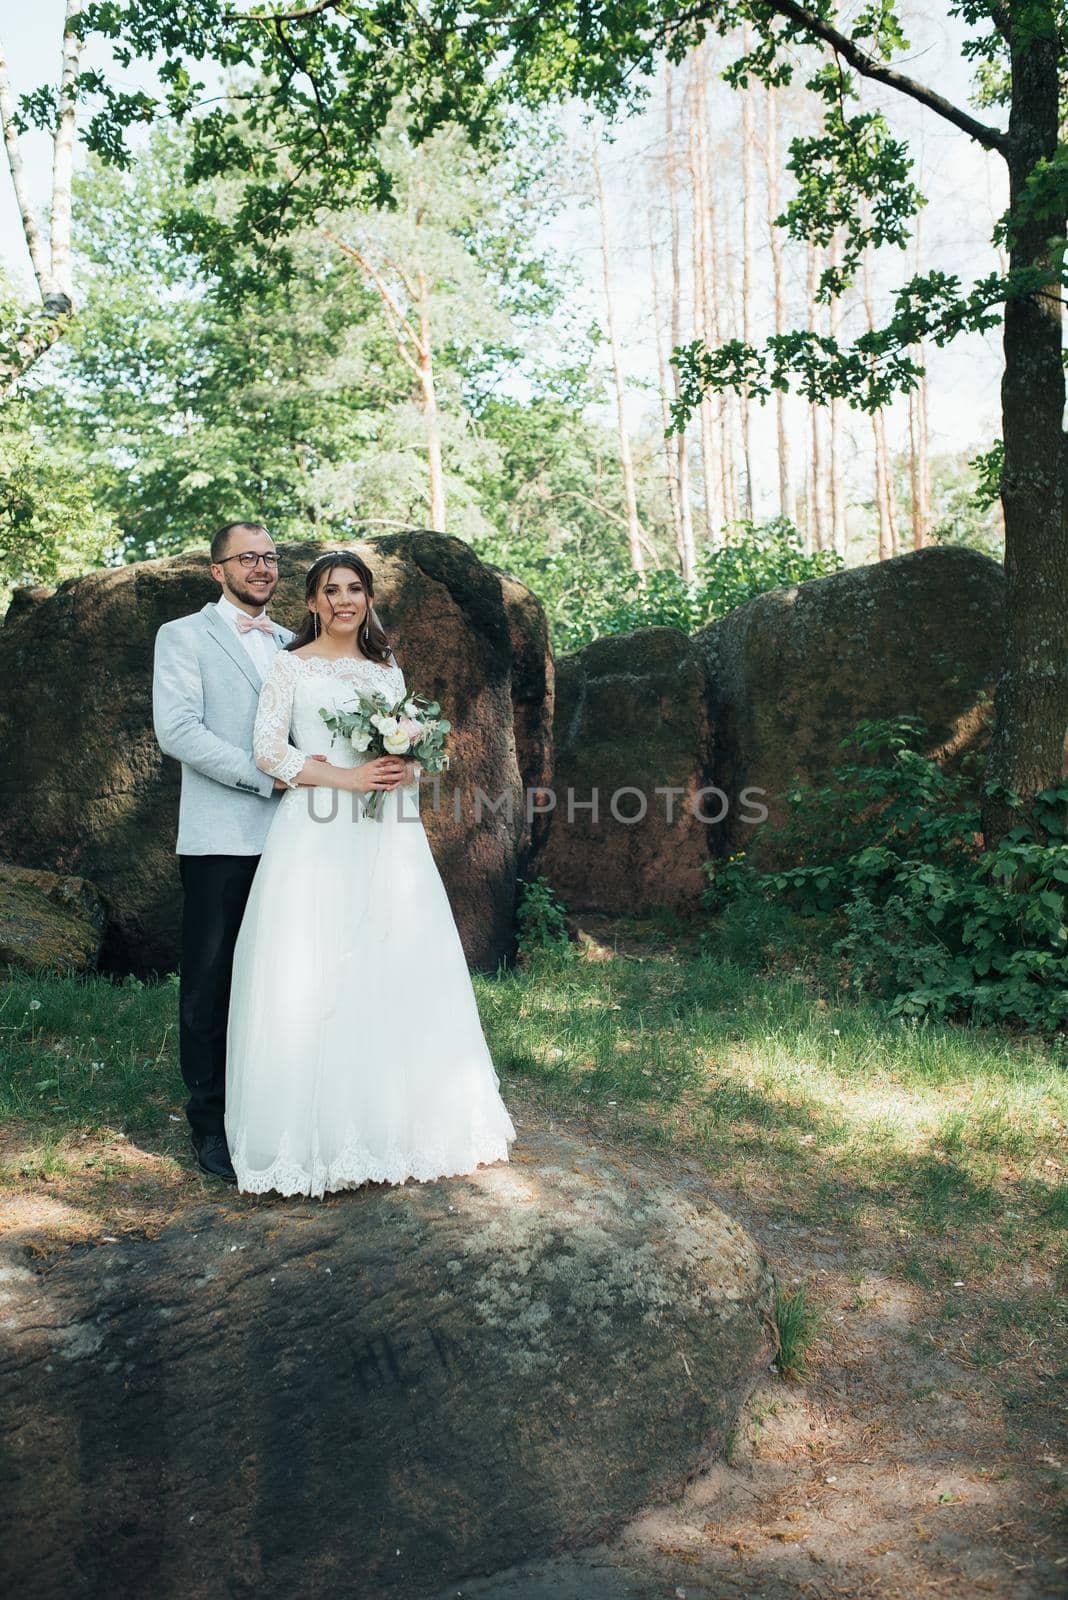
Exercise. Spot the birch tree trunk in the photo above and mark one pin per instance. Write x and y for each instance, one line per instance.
(51, 261)
(63, 157)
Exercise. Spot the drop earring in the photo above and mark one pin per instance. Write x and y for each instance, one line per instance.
(315, 614)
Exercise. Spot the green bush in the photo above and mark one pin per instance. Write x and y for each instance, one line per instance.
(590, 595)
(539, 919)
(924, 915)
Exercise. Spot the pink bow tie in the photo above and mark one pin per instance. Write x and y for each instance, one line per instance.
(245, 624)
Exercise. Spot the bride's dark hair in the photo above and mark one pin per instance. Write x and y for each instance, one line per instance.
(370, 635)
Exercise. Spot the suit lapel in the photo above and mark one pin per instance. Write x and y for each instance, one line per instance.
(225, 636)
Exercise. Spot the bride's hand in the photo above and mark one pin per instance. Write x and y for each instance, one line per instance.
(385, 772)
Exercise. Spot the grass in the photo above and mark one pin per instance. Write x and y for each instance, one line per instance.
(944, 1143)
(76, 1054)
(798, 1322)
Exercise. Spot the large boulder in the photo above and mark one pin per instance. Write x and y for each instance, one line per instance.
(749, 704)
(85, 789)
(792, 671)
(377, 1395)
(49, 923)
(630, 723)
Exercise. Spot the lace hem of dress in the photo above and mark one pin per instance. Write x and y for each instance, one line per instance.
(356, 1165)
(349, 663)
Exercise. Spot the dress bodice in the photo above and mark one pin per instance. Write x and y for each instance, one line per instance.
(293, 692)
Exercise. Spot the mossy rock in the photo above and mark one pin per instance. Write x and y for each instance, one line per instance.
(793, 671)
(630, 719)
(49, 923)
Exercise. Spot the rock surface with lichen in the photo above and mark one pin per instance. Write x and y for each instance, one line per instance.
(376, 1395)
(49, 923)
(793, 671)
(730, 718)
(631, 735)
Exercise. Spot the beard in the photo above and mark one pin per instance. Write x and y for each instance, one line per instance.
(252, 597)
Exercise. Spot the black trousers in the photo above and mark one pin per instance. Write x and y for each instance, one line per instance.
(216, 889)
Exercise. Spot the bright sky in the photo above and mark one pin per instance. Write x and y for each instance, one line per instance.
(966, 188)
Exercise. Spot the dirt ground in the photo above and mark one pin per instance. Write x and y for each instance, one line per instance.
(895, 1469)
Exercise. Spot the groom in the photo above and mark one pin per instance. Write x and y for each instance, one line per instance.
(205, 688)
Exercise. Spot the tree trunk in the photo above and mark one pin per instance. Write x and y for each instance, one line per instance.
(726, 327)
(425, 357)
(1028, 748)
(837, 483)
(748, 190)
(686, 551)
(925, 444)
(811, 527)
(670, 438)
(699, 186)
(918, 437)
(878, 433)
(889, 491)
(634, 532)
(820, 531)
(63, 156)
(787, 500)
(415, 346)
(719, 293)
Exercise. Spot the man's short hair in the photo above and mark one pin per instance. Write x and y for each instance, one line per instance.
(220, 540)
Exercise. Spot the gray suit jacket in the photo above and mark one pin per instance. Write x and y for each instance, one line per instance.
(205, 690)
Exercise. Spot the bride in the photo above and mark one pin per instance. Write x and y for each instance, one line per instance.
(354, 1049)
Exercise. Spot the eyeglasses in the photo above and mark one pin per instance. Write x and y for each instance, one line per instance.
(249, 558)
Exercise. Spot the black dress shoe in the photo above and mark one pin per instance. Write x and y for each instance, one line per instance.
(212, 1154)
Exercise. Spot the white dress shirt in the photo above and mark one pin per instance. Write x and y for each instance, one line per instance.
(259, 645)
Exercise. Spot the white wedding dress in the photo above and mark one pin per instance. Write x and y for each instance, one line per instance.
(355, 1051)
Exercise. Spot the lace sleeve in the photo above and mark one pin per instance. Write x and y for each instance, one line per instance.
(271, 749)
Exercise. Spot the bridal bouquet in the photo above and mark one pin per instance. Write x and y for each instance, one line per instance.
(374, 727)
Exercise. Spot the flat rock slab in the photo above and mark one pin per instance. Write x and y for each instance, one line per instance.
(377, 1395)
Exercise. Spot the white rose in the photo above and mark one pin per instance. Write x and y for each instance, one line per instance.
(384, 724)
(411, 709)
(359, 740)
(396, 743)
